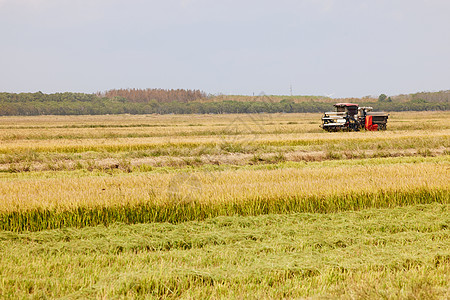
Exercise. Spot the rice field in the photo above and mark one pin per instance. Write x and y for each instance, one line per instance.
(64, 177)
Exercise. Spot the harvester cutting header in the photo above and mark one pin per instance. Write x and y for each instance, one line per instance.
(351, 117)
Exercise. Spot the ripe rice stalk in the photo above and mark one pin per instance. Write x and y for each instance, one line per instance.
(41, 219)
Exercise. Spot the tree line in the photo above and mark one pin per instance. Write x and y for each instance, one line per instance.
(159, 95)
(442, 96)
(29, 104)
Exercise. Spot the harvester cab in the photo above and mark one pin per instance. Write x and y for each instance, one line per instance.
(344, 118)
(351, 117)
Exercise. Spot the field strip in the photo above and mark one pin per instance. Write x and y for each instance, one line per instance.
(127, 144)
(173, 197)
(442, 160)
(41, 219)
(15, 135)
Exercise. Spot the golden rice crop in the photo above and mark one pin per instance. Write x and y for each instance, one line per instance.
(66, 192)
(364, 140)
(132, 198)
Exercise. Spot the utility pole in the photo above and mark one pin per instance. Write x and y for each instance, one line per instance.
(290, 88)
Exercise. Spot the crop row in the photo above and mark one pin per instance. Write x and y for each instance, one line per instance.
(41, 219)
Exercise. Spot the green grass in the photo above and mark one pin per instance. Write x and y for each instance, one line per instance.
(399, 253)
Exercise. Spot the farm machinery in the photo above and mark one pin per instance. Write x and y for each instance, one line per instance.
(351, 117)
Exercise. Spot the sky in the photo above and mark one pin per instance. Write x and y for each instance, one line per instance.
(337, 48)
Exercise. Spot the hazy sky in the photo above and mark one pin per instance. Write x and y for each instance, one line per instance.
(344, 48)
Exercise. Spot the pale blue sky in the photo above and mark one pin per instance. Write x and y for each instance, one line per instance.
(345, 48)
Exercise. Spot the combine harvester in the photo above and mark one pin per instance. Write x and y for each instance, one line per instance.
(350, 117)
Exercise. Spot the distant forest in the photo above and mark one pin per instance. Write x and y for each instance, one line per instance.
(159, 95)
(180, 101)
